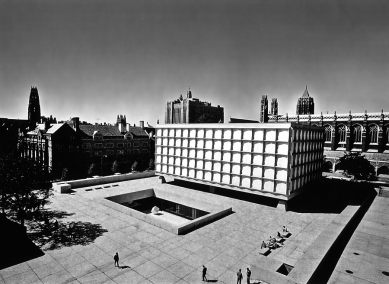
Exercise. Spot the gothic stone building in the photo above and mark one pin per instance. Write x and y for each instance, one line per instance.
(192, 110)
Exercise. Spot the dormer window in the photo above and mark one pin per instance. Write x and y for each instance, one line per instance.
(97, 136)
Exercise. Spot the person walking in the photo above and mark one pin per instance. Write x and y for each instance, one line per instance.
(204, 274)
(248, 274)
(116, 259)
(240, 276)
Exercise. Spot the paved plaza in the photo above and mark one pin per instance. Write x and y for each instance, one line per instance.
(149, 254)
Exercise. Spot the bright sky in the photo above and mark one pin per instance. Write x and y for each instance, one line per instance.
(97, 59)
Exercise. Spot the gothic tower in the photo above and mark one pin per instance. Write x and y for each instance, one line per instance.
(305, 104)
(274, 107)
(264, 110)
(34, 108)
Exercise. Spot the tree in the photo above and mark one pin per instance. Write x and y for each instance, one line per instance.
(115, 166)
(26, 187)
(91, 169)
(151, 165)
(353, 163)
(64, 176)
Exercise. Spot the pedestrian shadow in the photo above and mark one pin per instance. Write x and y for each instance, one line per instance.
(212, 281)
(124, 267)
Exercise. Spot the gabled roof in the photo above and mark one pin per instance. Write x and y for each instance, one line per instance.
(54, 127)
(105, 130)
(137, 131)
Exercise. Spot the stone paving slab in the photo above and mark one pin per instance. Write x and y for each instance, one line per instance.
(150, 254)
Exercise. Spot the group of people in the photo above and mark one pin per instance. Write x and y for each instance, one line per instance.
(239, 275)
(275, 242)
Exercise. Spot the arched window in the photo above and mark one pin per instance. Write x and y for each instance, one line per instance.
(373, 134)
(342, 134)
(328, 133)
(357, 134)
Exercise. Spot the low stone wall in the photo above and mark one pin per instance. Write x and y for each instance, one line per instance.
(63, 187)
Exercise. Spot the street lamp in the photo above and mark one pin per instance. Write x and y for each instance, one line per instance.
(101, 164)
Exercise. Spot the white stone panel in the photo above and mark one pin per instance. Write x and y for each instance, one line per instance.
(256, 184)
(282, 162)
(165, 141)
(269, 161)
(200, 154)
(208, 155)
(216, 166)
(281, 174)
(164, 159)
(247, 134)
(178, 152)
(257, 159)
(227, 145)
(171, 160)
(159, 141)
(268, 186)
(282, 148)
(216, 177)
(158, 158)
(192, 163)
(236, 169)
(165, 132)
(159, 150)
(200, 133)
(236, 157)
(192, 173)
(258, 134)
(164, 150)
(270, 148)
(258, 147)
(192, 143)
(217, 145)
(246, 170)
(236, 180)
(159, 132)
(208, 176)
(184, 172)
(208, 165)
(158, 167)
(178, 132)
(227, 134)
(227, 156)
(226, 179)
(208, 144)
(164, 168)
(209, 133)
(269, 173)
(171, 132)
(171, 151)
(185, 143)
(217, 156)
(199, 174)
(192, 133)
(246, 158)
(270, 135)
(199, 164)
(192, 153)
(218, 134)
(178, 142)
(185, 133)
(237, 134)
(226, 167)
(257, 172)
(200, 143)
(237, 146)
(177, 171)
(246, 146)
(283, 135)
(177, 161)
(246, 182)
(185, 152)
(281, 187)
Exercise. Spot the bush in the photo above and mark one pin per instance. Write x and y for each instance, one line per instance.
(355, 164)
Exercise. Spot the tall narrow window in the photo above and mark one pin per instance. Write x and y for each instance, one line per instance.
(373, 134)
(342, 134)
(357, 134)
(328, 133)
(387, 134)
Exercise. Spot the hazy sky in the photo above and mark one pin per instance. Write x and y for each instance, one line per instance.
(97, 59)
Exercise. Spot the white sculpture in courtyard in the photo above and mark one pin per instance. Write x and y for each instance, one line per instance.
(155, 210)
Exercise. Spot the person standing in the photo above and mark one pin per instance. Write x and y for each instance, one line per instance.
(116, 259)
(248, 274)
(204, 274)
(240, 276)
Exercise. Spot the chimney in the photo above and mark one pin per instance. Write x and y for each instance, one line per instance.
(76, 123)
(127, 127)
(142, 124)
(47, 124)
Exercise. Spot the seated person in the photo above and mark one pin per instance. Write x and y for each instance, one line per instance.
(279, 237)
(285, 229)
(155, 210)
(263, 245)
